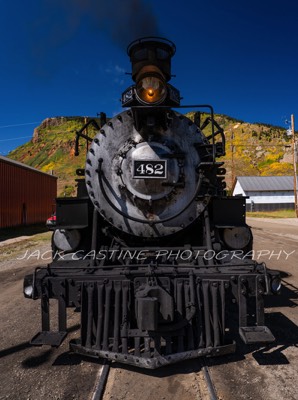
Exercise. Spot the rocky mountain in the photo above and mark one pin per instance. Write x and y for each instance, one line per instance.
(251, 149)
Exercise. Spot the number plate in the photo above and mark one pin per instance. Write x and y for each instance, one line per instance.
(150, 169)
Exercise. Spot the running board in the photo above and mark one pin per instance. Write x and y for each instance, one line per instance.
(256, 334)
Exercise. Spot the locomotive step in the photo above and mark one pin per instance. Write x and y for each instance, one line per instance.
(48, 338)
(256, 334)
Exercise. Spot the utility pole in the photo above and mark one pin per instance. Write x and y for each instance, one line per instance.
(232, 151)
(295, 165)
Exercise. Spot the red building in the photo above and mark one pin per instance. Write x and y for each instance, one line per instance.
(27, 196)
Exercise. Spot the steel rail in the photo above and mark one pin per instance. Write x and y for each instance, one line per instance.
(209, 382)
(101, 384)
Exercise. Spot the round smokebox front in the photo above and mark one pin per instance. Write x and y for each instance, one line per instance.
(144, 187)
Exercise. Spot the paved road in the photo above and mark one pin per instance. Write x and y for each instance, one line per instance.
(269, 373)
(287, 227)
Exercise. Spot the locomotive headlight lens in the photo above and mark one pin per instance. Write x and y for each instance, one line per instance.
(66, 239)
(237, 237)
(151, 90)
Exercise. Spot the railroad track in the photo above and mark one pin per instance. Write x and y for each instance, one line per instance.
(100, 385)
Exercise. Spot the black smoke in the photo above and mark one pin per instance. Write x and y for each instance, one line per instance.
(57, 22)
(124, 21)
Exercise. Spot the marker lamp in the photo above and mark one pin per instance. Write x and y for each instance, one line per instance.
(276, 285)
(28, 286)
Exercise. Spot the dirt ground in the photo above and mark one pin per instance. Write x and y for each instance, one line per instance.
(183, 381)
(34, 373)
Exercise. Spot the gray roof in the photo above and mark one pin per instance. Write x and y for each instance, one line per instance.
(21, 165)
(266, 183)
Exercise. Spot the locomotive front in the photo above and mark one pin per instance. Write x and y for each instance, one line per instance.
(141, 170)
(152, 251)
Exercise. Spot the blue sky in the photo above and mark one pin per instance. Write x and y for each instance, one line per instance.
(68, 57)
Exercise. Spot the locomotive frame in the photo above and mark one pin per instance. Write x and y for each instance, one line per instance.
(165, 294)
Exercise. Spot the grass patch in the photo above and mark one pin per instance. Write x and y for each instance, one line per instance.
(10, 251)
(272, 214)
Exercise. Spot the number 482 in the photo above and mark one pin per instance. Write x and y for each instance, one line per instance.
(150, 169)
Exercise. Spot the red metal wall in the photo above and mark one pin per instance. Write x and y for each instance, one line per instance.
(26, 196)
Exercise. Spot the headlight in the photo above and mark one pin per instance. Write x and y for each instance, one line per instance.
(237, 237)
(28, 290)
(66, 239)
(276, 285)
(151, 90)
(28, 286)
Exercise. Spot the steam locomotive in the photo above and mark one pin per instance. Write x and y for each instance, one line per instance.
(152, 252)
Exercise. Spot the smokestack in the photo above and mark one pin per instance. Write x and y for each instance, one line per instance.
(151, 51)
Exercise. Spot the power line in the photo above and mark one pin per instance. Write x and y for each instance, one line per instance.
(26, 123)
(21, 137)
(259, 145)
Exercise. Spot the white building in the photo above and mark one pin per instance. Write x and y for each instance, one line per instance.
(266, 192)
